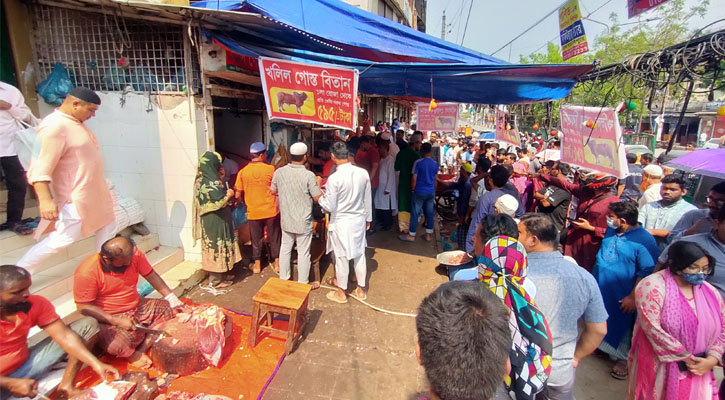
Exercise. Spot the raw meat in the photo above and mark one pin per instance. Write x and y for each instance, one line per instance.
(118, 390)
(188, 396)
(146, 388)
(208, 321)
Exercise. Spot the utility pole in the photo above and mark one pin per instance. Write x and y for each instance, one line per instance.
(443, 27)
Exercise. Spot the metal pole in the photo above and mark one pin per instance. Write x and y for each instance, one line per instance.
(443, 26)
(682, 115)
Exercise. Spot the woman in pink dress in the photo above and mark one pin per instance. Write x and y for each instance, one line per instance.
(679, 335)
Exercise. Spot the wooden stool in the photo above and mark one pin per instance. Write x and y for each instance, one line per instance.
(278, 296)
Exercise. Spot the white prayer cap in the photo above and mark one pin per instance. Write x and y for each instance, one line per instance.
(298, 149)
(654, 171)
(506, 204)
(385, 135)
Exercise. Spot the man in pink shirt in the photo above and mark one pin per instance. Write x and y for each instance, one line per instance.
(67, 176)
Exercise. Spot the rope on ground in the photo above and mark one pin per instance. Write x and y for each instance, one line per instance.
(212, 290)
(382, 310)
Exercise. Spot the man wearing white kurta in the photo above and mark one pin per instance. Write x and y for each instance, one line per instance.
(348, 199)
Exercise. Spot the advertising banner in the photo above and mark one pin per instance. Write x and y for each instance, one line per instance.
(309, 93)
(636, 7)
(442, 118)
(573, 39)
(505, 132)
(593, 139)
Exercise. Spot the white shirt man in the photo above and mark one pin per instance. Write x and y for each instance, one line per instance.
(652, 175)
(348, 199)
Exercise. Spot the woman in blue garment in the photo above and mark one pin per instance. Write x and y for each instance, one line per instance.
(628, 254)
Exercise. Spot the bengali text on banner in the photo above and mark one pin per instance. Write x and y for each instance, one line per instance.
(573, 39)
(442, 118)
(309, 93)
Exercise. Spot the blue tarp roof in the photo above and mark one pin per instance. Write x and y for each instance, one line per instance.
(393, 59)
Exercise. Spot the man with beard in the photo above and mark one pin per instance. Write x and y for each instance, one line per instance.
(21, 365)
(700, 221)
(104, 287)
(659, 217)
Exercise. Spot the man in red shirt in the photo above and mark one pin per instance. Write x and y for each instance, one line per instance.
(21, 365)
(368, 158)
(104, 287)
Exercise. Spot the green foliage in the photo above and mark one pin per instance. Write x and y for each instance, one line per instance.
(667, 26)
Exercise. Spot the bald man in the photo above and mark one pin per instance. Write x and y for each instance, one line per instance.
(67, 176)
(104, 287)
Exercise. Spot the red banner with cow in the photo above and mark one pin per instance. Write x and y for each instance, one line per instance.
(506, 131)
(442, 118)
(309, 93)
(593, 139)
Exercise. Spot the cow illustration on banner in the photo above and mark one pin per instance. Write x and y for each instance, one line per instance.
(504, 131)
(443, 118)
(309, 93)
(593, 139)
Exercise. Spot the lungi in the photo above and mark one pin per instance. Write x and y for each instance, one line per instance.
(122, 343)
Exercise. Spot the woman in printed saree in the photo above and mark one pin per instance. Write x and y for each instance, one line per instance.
(679, 335)
(213, 223)
(502, 268)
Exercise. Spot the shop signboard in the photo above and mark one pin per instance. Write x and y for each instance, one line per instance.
(296, 91)
(505, 132)
(573, 39)
(593, 139)
(636, 7)
(443, 118)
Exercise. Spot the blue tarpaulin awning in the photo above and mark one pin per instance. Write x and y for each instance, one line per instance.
(393, 59)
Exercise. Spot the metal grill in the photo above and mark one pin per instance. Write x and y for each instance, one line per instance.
(113, 53)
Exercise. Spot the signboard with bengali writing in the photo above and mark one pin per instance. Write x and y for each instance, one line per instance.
(603, 151)
(636, 7)
(573, 39)
(505, 132)
(442, 118)
(309, 93)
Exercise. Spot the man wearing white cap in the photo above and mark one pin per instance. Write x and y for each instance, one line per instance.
(394, 148)
(296, 189)
(651, 181)
(507, 205)
(255, 180)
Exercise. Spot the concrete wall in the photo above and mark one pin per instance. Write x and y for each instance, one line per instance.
(150, 152)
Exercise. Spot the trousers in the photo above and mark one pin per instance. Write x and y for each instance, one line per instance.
(303, 240)
(67, 230)
(256, 232)
(342, 270)
(422, 203)
(17, 186)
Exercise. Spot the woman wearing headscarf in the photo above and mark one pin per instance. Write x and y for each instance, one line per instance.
(679, 334)
(502, 268)
(213, 222)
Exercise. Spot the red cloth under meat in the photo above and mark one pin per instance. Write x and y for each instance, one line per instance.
(122, 343)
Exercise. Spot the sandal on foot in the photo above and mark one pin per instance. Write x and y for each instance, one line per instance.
(355, 295)
(405, 238)
(618, 372)
(315, 285)
(331, 296)
(21, 229)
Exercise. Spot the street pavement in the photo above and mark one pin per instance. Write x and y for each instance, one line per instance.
(350, 351)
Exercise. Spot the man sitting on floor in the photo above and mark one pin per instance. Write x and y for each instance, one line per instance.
(104, 287)
(21, 365)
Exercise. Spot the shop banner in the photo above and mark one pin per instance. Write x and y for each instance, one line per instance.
(636, 7)
(505, 132)
(309, 93)
(573, 39)
(442, 118)
(593, 139)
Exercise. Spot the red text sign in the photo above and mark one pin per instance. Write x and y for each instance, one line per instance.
(442, 118)
(600, 148)
(636, 7)
(309, 93)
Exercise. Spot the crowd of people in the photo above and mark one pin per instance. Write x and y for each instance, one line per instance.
(565, 262)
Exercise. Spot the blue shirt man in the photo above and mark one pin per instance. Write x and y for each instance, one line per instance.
(629, 186)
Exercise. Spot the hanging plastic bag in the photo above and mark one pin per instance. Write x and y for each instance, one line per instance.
(116, 78)
(239, 215)
(26, 142)
(56, 86)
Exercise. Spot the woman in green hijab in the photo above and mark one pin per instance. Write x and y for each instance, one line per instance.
(213, 222)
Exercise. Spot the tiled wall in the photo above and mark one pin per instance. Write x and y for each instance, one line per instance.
(150, 151)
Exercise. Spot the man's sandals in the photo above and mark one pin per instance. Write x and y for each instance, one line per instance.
(21, 229)
(619, 370)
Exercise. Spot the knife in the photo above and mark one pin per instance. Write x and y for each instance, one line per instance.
(151, 331)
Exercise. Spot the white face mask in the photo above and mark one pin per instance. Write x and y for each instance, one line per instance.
(612, 223)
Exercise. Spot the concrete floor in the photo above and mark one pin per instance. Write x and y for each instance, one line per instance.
(353, 352)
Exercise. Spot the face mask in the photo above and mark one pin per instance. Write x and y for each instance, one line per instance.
(612, 223)
(693, 279)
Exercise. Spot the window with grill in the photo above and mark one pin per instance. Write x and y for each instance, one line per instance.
(112, 52)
